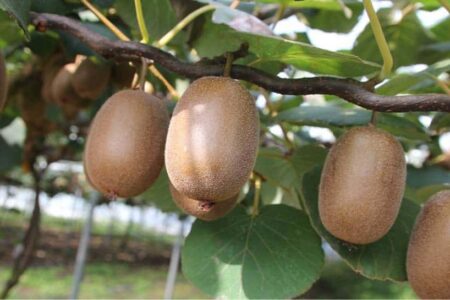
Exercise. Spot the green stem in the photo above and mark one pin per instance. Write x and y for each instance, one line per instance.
(380, 39)
(183, 23)
(257, 196)
(445, 4)
(228, 64)
(141, 21)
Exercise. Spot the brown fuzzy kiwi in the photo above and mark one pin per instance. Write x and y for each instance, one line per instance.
(62, 91)
(49, 72)
(90, 79)
(428, 260)
(212, 140)
(362, 185)
(124, 151)
(3, 82)
(203, 210)
(122, 74)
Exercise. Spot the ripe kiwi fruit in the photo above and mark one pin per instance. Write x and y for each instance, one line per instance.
(49, 72)
(212, 140)
(3, 82)
(203, 210)
(428, 259)
(362, 185)
(124, 151)
(62, 91)
(90, 79)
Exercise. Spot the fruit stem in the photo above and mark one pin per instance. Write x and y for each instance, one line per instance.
(235, 3)
(183, 23)
(257, 196)
(278, 15)
(141, 21)
(143, 74)
(445, 4)
(380, 39)
(173, 92)
(345, 9)
(228, 64)
(373, 118)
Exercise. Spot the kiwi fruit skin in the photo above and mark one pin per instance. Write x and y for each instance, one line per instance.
(428, 259)
(124, 152)
(203, 210)
(62, 91)
(49, 72)
(212, 140)
(90, 79)
(3, 82)
(362, 185)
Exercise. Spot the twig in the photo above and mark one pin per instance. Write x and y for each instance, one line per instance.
(380, 39)
(124, 38)
(351, 90)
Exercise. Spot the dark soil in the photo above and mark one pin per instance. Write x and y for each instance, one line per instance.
(60, 248)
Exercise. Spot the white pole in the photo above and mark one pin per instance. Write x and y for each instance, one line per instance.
(83, 246)
(174, 261)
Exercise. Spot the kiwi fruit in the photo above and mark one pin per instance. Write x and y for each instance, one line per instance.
(212, 140)
(62, 91)
(428, 259)
(203, 210)
(90, 79)
(49, 72)
(124, 152)
(362, 185)
(3, 82)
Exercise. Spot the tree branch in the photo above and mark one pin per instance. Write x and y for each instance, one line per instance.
(348, 89)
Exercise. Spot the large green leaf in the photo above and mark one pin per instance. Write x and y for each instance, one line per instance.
(271, 49)
(426, 176)
(404, 39)
(332, 116)
(402, 83)
(159, 195)
(11, 33)
(19, 9)
(382, 260)
(273, 255)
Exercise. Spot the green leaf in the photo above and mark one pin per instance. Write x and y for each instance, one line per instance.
(276, 167)
(159, 195)
(402, 83)
(382, 260)
(275, 49)
(158, 15)
(52, 6)
(273, 255)
(441, 122)
(441, 30)
(404, 39)
(426, 176)
(334, 20)
(19, 9)
(332, 116)
(11, 33)
(319, 4)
